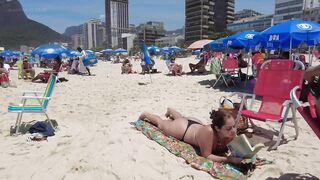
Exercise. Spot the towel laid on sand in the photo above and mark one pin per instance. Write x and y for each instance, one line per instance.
(187, 152)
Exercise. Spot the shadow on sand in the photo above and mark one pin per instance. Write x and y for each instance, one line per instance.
(293, 176)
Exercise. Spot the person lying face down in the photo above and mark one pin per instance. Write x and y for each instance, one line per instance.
(211, 139)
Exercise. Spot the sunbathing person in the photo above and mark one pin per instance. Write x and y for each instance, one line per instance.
(126, 67)
(174, 68)
(211, 139)
(44, 76)
(200, 66)
(312, 75)
(2, 68)
(27, 69)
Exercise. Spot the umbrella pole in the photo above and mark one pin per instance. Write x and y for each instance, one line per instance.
(150, 78)
(310, 60)
(290, 56)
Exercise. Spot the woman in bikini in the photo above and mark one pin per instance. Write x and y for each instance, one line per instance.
(211, 139)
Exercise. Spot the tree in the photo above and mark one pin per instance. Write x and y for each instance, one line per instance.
(218, 35)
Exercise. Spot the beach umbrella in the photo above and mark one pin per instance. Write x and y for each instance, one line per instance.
(73, 53)
(196, 52)
(49, 51)
(120, 50)
(154, 49)
(216, 45)
(242, 40)
(7, 53)
(290, 34)
(107, 51)
(166, 49)
(199, 44)
(175, 49)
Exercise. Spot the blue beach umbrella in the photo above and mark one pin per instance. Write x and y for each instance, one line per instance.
(120, 50)
(175, 49)
(49, 51)
(154, 49)
(7, 53)
(107, 51)
(290, 34)
(91, 58)
(216, 45)
(73, 53)
(166, 49)
(241, 40)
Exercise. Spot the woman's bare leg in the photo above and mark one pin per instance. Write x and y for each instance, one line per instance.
(173, 114)
(174, 128)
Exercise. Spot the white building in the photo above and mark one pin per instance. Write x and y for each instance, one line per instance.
(128, 41)
(292, 9)
(312, 14)
(77, 41)
(93, 34)
(169, 40)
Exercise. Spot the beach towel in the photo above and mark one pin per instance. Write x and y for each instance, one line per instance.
(187, 152)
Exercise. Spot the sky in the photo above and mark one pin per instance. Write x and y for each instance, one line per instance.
(60, 14)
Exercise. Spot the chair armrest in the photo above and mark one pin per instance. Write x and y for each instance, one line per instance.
(33, 92)
(295, 99)
(35, 97)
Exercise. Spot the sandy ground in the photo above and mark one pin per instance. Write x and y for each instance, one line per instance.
(96, 141)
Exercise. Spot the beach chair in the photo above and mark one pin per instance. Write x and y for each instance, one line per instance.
(307, 110)
(19, 64)
(42, 99)
(276, 79)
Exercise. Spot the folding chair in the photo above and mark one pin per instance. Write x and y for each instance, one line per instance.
(305, 110)
(42, 98)
(276, 79)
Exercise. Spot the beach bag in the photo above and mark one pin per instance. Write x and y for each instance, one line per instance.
(233, 108)
(43, 128)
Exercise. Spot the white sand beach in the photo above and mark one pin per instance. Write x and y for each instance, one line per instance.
(96, 141)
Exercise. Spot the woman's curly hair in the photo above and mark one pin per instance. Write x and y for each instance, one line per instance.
(218, 117)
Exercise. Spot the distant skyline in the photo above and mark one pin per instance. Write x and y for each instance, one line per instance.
(60, 14)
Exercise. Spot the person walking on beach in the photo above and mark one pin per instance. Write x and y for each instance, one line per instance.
(82, 57)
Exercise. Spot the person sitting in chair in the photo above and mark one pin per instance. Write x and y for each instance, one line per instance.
(44, 76)
(200, 66)
(212, 139)
(27, 69)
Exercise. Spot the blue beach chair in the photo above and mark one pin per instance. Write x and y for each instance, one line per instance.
(42, 99)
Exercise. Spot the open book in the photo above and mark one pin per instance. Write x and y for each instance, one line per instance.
(240, 147)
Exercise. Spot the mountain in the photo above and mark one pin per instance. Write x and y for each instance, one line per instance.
(16, 29)
(72, 30)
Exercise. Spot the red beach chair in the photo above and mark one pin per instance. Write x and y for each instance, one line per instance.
(276, 79)
(308, 112)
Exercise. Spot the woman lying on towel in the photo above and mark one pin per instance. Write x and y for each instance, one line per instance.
(211, 139)
(44, 76)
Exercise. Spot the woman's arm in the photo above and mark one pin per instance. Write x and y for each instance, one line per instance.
(205, 138)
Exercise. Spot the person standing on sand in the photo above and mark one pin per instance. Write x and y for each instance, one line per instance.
(83, 56)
